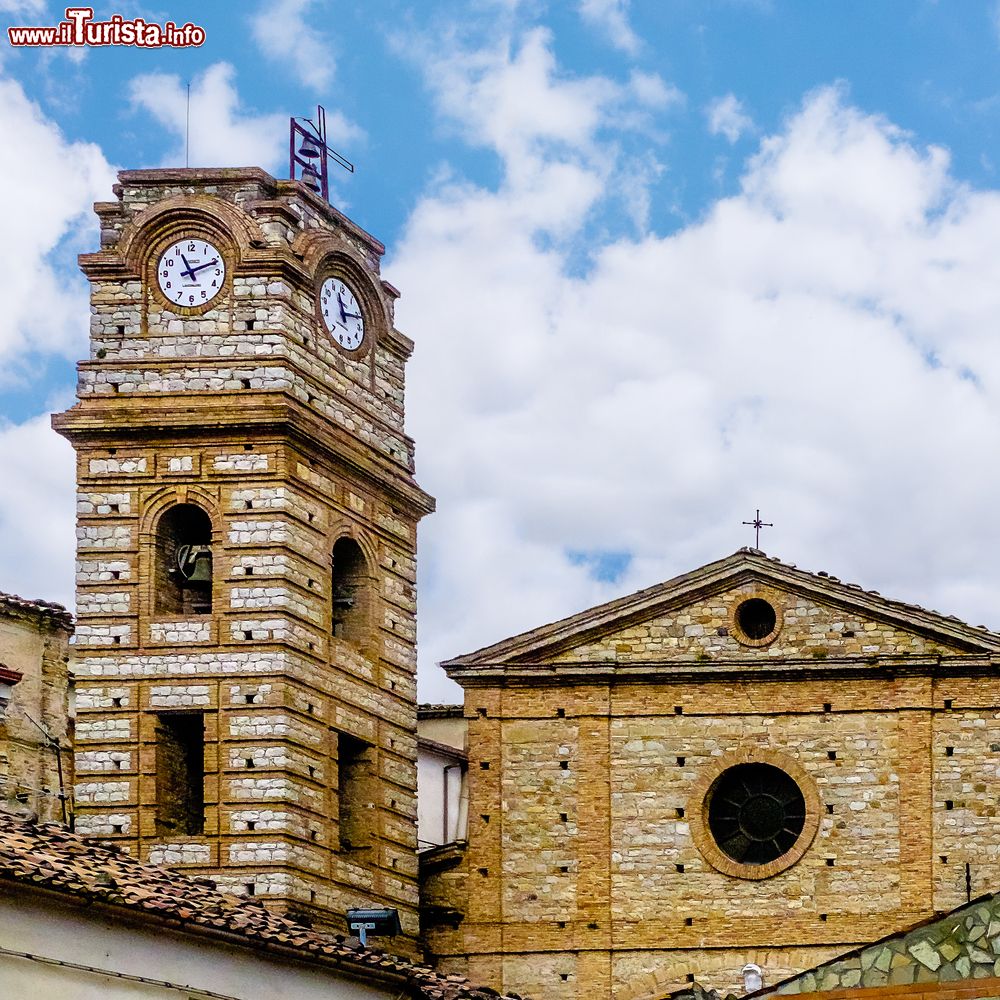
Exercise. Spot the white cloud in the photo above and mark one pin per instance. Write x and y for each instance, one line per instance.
(511, 97)
(222, 133)
(282, 32)
(634, 184)
(37, 539)
(48, 217)
(550, 130)
(610, 19)
(727, 117)
(821, 345)
(53, 184)
(653, 91)
(342, 132)
(23, 8)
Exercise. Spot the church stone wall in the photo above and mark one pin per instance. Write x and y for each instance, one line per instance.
(620, 884)
(539, 794)
(656, 762)
(967, 804)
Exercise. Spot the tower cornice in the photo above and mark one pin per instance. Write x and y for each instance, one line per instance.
(257, 414)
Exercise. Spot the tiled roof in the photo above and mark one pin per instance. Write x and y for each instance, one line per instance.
(443, 749)
(50, 857)
(40, 609)
(440, 711)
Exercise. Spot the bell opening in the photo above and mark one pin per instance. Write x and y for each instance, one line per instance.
(183, 584)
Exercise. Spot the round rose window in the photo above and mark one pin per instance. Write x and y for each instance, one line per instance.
(756, 618)
(756, 813)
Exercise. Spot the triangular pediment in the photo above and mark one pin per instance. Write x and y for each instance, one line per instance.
(704, 617)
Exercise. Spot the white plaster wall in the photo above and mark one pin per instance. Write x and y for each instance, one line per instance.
(47, 927)
(430, 799)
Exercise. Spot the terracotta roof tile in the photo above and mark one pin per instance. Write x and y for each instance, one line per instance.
(40, 609)
(50, 856)
(436, 711)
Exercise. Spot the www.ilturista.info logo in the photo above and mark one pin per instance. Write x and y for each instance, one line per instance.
(80, 28)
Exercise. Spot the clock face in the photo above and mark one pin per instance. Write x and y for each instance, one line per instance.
(342, 314)
(191, 272)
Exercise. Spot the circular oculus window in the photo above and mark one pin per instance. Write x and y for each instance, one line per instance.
(754, 621)
(756, 813)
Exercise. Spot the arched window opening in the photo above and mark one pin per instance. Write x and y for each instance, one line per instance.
(350, 592)
(183, 584)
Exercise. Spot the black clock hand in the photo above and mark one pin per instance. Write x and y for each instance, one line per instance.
(188, 266)
(201, 267)
(340, 302)
(352, 315)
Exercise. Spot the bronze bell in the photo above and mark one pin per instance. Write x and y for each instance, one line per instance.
(309, 149)
(310, 177)
(195, 563)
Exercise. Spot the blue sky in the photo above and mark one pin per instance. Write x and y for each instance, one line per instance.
(664, 262)
(930, 67)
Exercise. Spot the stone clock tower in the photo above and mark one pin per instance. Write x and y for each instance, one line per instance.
(246, 547)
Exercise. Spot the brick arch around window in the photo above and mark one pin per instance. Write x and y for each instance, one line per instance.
(354, 590)
(176, 523)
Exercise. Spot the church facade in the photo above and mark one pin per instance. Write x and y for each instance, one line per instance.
(747, 764)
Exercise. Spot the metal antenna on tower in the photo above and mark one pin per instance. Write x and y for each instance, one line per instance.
(187, 130)
(308, 151)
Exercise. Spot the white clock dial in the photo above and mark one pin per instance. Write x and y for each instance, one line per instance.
(191, 272)
(342, 314)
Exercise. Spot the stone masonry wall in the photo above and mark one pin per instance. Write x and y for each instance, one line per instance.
(249, 412)
(704, 631)
(34, 642)
(283, 555)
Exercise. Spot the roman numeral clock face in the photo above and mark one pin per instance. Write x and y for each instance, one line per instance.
(342, 314)
(191, 272)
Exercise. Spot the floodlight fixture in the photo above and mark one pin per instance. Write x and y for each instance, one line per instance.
(753, 977)
(379, 923)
